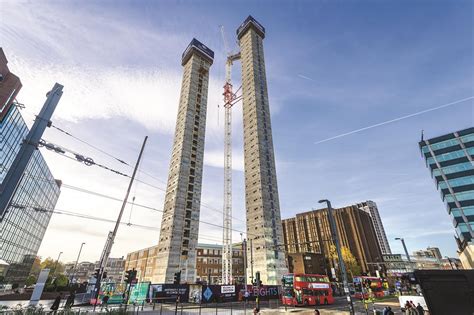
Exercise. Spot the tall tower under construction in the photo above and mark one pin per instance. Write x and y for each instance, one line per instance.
(264, 229)
(180, 222)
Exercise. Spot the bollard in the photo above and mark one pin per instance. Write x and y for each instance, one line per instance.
(181, 308)
(161, 308)
(216, 307)
(231, 304)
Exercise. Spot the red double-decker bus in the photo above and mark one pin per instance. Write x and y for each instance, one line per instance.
(366, 287)
(306, 289)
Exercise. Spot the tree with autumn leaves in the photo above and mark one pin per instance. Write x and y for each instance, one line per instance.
(352, 266)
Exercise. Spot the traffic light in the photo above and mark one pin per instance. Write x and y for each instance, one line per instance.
(104, 275)
(258, 282)
(177, 277)
(130, 275)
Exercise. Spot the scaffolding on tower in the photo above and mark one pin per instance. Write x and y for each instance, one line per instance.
(230, 98)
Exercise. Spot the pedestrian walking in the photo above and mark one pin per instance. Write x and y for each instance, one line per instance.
(105, 300)
(70, 300)
(246, 296)
(420, 309)
(388, 311)
(56, 303)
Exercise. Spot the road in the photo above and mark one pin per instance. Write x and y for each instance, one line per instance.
(239, 308)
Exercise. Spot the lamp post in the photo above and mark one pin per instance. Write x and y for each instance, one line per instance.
(342, 266)
(56, 264)
(77, 261)
(449, 260)
(404, 247)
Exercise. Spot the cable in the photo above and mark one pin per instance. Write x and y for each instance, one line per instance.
(394, 120)
(90, 145)
(140, 171)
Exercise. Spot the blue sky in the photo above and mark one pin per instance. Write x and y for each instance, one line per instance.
(332, 67)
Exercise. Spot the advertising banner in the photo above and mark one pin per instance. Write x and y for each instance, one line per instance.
(264, 292)
(168, 292)
(38, 291)
(220, 293)
(139, 292)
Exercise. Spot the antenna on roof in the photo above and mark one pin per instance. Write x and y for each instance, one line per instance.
(422, 134)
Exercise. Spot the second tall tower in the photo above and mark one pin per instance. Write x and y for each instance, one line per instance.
(264, 229)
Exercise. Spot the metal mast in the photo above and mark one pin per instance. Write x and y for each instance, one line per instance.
(229, 99)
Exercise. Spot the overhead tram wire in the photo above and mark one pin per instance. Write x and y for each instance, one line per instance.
(123, 174)
(142, 206)
(90, 145)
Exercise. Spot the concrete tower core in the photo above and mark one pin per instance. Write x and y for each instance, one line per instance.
(180, 222)
(264, 227)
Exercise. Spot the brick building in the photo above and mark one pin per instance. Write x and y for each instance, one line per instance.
(309, 232)
(208, 263)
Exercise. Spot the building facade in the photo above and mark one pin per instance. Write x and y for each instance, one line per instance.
(310, 263)
(430, 252)
(85, 270)
(450, 161)
(371, 208)
(26, 219)
(309, 232)
(208, 264)
(264, 227)
(180, 222)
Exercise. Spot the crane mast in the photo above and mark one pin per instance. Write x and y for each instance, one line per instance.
(229, 100)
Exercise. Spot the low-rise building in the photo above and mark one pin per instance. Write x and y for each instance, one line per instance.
(85, 270)
(208, 263)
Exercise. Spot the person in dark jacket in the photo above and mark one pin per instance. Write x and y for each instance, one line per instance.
(70, 300)
(56, 303)
(420, 309)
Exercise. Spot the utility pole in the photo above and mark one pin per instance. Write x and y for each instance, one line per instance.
(112, 235)
(30, 144)
(342, 265)
(244, 250)
(251, 260)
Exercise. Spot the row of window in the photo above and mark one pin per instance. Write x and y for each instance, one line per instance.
(456, 182)
(448, 143)
(460, 196)
(466, 166)
(450, 155)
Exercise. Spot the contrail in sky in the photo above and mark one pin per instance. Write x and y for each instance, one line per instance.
(305, 77)
(395, 120)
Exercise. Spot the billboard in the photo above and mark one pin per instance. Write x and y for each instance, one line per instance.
(167, 292)
(139, 292)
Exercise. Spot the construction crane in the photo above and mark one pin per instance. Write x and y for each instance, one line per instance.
(230, 99)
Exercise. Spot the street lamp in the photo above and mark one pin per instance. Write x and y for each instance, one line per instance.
(342, 266)
(404, 247)
(56, 264)
(77, 261)
(449, 260)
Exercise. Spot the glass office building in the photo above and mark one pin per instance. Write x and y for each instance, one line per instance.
(450, 160)
(25, 222)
